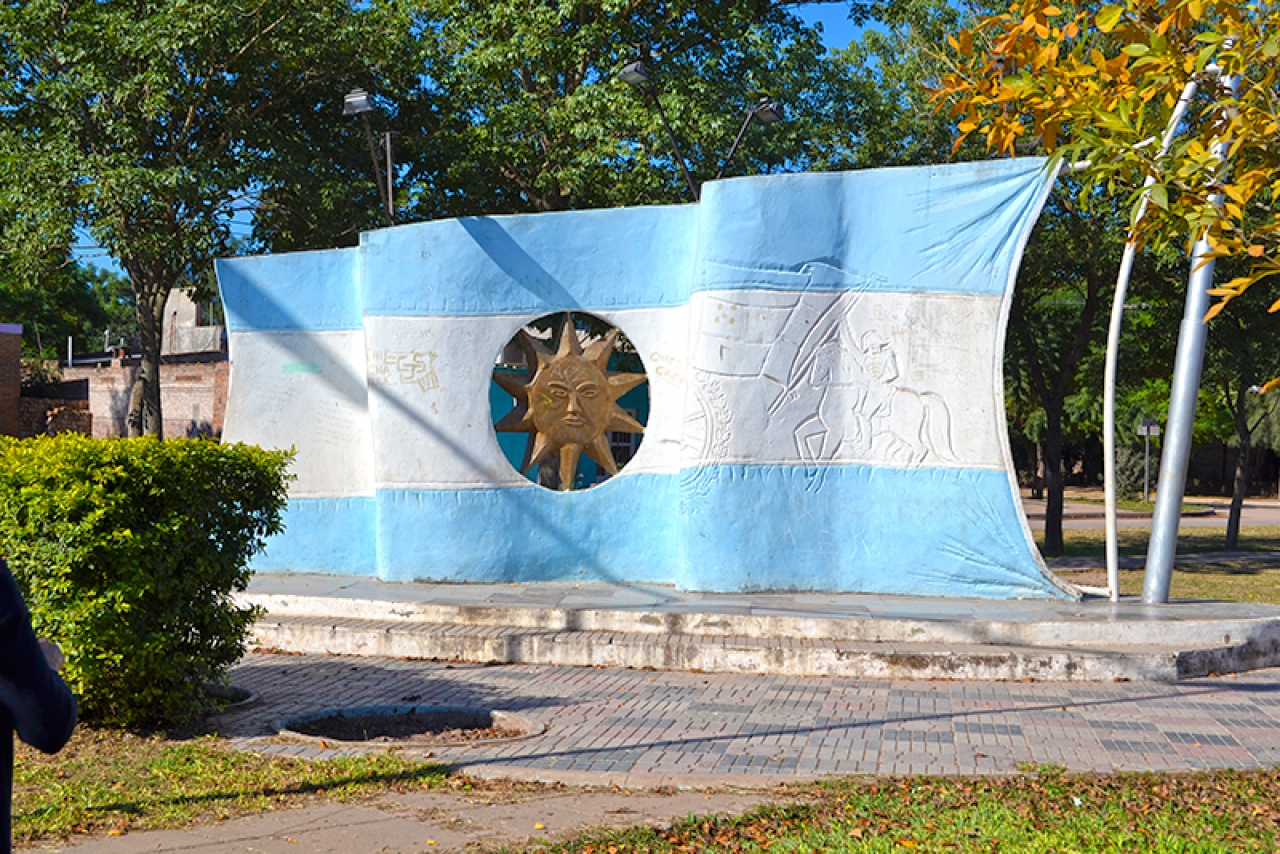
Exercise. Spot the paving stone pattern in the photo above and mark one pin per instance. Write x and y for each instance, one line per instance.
(664, 727)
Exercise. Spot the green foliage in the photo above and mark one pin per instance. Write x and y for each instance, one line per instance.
(149, 124)
(532, 116)
(1130, 469)
(883, 115)
(66, 299)
(128, 551)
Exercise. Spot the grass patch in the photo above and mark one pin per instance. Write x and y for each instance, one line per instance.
(113, 782)
(1043, 812)
(1226, 581)
(1138, 505)
(1091, 542)
(1253, 580)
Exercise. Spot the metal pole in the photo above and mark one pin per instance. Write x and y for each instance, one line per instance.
(1113, 352)
(1146, 467)
(390, 197)
(377, 174)
(733, 149)
(1182, 408)
(693, 188)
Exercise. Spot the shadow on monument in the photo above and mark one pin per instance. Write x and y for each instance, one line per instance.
(356, 390)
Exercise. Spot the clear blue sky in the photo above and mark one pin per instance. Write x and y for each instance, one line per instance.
(837, 29)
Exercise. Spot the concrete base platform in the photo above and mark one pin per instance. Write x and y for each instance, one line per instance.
(847, 635)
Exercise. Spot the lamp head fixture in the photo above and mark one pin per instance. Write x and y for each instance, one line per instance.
(357, 102)
(635, 74)
(767, 111)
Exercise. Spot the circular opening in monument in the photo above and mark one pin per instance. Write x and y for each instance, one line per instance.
(418, 725)
(570, 400)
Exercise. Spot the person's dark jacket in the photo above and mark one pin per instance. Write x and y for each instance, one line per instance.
(34, 701)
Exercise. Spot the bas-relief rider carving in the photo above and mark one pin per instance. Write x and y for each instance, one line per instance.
(815, 378)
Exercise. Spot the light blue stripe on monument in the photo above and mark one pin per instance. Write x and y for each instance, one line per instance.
(621, 531)
(595, 260)
(954, 228)
(927, 532)
(324, 535)
(293, 291)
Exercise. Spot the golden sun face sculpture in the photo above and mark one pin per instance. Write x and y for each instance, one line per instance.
(569, 404)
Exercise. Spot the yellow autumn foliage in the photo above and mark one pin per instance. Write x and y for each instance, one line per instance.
(1099, 84)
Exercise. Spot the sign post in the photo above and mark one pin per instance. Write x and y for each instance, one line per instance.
(1146, 430)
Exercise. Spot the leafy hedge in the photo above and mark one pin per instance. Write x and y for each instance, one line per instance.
(128, 551)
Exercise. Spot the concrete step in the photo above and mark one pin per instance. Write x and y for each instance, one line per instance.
(772, 618)
(610, 624)
(797, 654)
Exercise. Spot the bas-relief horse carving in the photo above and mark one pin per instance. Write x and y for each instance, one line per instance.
(862, 410)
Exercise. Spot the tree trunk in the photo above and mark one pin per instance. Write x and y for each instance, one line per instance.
(1053, 482)
(1240, 483)
(145, 417)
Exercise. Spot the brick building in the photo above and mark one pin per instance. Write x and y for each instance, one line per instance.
(193, 392)
(10, 378)
(93, 396)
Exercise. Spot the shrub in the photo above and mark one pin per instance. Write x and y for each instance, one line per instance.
(1130, 471)
(128, 551)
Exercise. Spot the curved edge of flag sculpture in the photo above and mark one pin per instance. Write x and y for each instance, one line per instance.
(823, 355)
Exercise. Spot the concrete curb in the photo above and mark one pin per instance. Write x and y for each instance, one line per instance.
(637, 780)
(863, 636)
(737, 654)
(1090, 630)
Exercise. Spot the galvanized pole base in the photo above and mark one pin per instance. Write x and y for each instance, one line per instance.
(1182, 410)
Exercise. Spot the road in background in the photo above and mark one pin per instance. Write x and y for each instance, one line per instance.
(1079, 515)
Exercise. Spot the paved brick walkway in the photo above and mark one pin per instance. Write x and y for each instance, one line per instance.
(658, 728)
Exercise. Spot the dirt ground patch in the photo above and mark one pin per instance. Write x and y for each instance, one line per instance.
(426, 821)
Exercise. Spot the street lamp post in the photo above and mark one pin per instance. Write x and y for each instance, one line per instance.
(1146, 430)
(358, 103)
(636, 75)
(766, 111)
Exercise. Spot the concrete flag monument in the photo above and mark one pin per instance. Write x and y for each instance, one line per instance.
(821, 356)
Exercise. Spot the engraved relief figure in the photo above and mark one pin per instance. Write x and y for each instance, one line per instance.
(862, 410)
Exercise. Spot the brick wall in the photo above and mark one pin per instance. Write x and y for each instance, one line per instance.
(193, 396)
(40, 416)
(10, 378)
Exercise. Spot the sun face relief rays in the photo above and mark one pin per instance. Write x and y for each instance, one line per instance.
(569, 403)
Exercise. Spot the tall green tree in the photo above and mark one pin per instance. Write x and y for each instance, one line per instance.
(1057, 311)
(146, 122)
(530, 115)
(1242, 356)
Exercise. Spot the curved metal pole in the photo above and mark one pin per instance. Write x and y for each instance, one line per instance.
(1182, 408)
(1113, 351)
